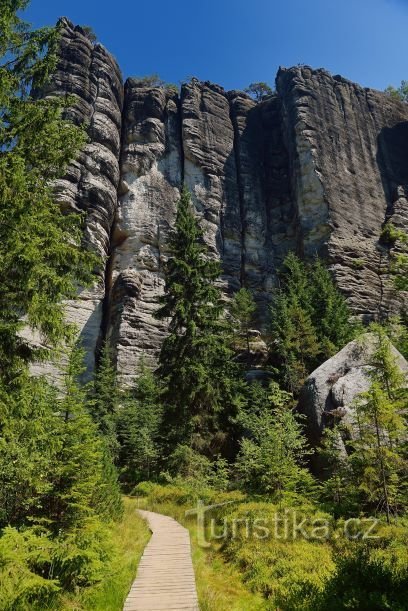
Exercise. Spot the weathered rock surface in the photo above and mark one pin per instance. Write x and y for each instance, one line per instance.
(89, 74)
(317, 168)
(329, 392)
(151, 174)
(349, 167)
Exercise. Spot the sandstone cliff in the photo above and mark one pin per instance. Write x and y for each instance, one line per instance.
(317, 168)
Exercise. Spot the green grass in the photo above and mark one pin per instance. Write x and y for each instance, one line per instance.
(130, 537)
(219, 584)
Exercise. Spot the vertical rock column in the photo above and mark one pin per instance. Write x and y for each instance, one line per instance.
(348, 152)
(267, 213)
(151, 175)
(88, 73)
(210, 173)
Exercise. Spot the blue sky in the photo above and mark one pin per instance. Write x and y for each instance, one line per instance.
(235, 42)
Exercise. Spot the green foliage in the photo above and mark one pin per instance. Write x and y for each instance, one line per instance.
(195, 364)
(41, 257)
(150, 80)
(172, 88)
(138, 428)
(398, 240)
(52, 464)
(372, 476)
(309, 320)
(259, 91)
(338, 490)
(57, 490)
(89, 32)
(390, 234)
(370, 575)
(242, 310)
(272, 454)
(104, 398)
(399, 93)
(23, 557)
(289, 572)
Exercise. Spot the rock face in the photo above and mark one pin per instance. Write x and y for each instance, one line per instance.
(349, 166)
(318, 167)
(329, 391)
(151, 174)
(89, 74)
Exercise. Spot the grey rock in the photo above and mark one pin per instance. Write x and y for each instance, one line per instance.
(89, 74)
(151, 175)
(329, 392)
(349, 174)
(316, 168)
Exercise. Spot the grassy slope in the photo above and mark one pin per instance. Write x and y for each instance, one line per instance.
(130, 536)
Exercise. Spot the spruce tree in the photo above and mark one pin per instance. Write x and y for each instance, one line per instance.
(104, 399)
(309, 320)
(379, 452)
(273, 449)
(138, 427)
(41, 258)
(330, 314)
(195, 364)
(242, 310)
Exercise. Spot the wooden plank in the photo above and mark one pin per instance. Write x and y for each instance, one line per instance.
(165, 577)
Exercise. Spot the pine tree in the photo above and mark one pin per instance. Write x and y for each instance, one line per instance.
(79, 469)
(41, 258)
(195, 362)
(338, 488)
(378, 454)
(52, 460)
(105, 399)
(309, 320)
(273, 450)
(139, 422)
(330, 314)
(295, 342)
(242, 310)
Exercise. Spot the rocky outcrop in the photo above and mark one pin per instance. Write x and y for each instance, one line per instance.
(328, 394)
(318, 167)
(348, 162)
(89, 74)
(151, 175)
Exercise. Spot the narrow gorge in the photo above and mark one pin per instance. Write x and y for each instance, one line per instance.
(317, 168)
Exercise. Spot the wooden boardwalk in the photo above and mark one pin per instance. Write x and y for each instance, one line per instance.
(165, 577)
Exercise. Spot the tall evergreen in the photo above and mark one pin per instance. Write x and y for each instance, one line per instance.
(379, 452)
(195, 362)
(242, 310)
(138, 427)
(104, 399)
(310, 320)
(329, 311)
(273, 450)
(52, 465)
(41, 258)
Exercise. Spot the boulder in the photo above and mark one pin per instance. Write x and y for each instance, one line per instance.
(328, 393)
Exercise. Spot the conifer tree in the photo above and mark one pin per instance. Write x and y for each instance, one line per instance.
(195, 362)
(41, 259)
(378, 454)
(330, 314)
(138, 427)
(242, 310)
(52, 462)
(309, 320)
(105, 399)
(273, 450)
